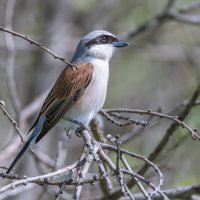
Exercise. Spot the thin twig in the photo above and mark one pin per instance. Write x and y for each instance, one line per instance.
(193, 6)
(183, 18)
(14, 123)
(98, 133)
(156, 188)
(143, 158)
(45, 181)
(31, 41)
(152, 122)
(175, 193)
(169, 132)
(78, 189)
(37, 178)
(118, 155)
(149, 112)
(145, 193)
(128, 120)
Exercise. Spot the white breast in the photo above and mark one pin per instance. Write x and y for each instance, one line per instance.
(85, 109)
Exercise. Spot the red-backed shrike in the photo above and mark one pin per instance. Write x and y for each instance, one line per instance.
(77, 94)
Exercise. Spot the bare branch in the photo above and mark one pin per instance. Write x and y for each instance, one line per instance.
(164, 16)
(193, 6)
(149, 112)
(14, 123)
(37, 178)
(93, 153)
(146, 195)
(86, 166)
(187, 19)
(175, 193)
(128, 121)
(32, 42)
(95, 150)
(152, 157)
(170, 131)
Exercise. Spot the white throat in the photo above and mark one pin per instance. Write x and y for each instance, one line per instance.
(101, 51)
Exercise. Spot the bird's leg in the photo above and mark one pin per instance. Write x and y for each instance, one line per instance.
(80, 124)
(79, 130)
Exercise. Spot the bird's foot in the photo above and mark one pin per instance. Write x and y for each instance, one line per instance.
(69, 132)
(80, 128)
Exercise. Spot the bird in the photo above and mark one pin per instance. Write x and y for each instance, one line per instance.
(78, 94)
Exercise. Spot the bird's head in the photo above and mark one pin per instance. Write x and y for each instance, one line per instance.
(98, 44)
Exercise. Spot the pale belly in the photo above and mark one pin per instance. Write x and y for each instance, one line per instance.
(86, 108)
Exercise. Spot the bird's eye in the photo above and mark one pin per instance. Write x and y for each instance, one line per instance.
(104, 39)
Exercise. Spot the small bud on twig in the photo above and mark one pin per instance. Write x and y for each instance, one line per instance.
(2, 103)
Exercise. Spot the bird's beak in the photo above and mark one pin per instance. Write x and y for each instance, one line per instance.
(120, 43)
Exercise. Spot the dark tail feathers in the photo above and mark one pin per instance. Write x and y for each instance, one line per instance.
(19, 155)
(33, 136)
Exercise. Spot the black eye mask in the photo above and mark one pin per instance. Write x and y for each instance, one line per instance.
(103, 39)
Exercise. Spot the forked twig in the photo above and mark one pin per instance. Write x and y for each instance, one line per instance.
(192, 131)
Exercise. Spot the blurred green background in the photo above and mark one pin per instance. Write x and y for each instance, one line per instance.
(158, 70)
